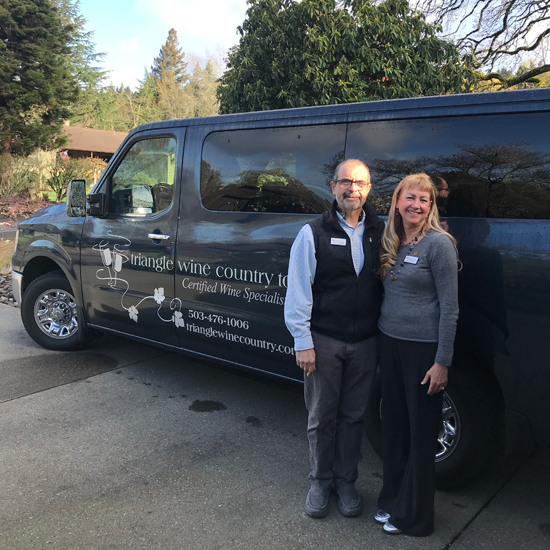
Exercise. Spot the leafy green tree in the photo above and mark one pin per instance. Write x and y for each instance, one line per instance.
(36, 85)
(316, 52)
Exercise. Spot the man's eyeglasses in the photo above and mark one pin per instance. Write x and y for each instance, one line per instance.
(346, 184)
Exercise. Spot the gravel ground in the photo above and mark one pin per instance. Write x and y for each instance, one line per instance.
(6, 295)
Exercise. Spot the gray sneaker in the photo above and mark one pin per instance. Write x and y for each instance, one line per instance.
(317, 500)
(349, 502)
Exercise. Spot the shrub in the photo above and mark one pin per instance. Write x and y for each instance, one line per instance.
(20, 176)
(89, 169)
(67, 169)
(64, 171)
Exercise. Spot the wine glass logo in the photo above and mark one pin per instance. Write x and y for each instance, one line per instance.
(114, 259)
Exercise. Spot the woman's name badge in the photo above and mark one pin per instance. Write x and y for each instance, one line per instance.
(338, 242)
(411, 259)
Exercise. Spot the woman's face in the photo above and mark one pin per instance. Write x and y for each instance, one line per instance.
(414, 206)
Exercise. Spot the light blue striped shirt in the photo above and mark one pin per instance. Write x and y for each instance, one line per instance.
(301, 273)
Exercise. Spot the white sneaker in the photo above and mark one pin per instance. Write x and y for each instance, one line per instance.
(381, 516)
(389, 528)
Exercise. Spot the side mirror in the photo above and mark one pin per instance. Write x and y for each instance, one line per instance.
(76, 199)
(96, 204)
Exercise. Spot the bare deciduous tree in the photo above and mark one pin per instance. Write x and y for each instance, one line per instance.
(494, 31)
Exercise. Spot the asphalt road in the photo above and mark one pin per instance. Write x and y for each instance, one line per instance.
(125, 446)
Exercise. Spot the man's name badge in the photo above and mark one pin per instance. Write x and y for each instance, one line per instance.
(338, 242)
(411, 259)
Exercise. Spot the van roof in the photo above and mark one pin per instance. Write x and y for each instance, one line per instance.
(471, 100)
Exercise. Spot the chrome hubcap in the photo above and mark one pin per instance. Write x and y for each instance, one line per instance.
(449, 435)
(55, 314)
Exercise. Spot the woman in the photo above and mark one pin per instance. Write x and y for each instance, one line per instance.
(419, 265)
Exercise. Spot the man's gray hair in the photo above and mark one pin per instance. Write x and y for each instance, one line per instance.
(348, 161)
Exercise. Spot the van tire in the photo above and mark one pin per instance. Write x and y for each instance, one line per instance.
(469, 433)
(49, 313)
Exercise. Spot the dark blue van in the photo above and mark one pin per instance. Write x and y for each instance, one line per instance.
(184, 243)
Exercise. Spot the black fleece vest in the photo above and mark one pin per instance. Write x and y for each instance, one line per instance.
(346, 306)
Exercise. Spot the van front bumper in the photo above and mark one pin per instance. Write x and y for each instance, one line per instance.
(17, 286)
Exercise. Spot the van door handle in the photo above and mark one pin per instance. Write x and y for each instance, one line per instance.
(158, 236)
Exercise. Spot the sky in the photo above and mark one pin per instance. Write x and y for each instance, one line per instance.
(131, 32)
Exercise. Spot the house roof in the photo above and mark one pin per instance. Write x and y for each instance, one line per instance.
(87, 139)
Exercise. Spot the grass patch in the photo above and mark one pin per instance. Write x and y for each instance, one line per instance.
(6, 252)
(51, 196)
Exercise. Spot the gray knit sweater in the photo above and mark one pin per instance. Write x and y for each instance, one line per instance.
(421, 305)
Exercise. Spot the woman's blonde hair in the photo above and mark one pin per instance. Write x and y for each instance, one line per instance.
(393, 233)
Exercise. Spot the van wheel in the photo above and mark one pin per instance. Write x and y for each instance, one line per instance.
(49, 313)
(469, 435)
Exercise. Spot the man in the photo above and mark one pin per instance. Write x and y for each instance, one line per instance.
(331, 309)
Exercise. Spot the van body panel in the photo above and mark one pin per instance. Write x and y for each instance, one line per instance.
(128, 274)
(231, 279)
(222, 272)
(504, 295)
(52, 236)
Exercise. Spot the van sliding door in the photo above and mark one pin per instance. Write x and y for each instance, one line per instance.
(258, 188)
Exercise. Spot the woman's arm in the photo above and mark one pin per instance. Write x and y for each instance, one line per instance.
(444, 268)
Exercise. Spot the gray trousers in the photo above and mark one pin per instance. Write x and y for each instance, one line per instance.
(336, 399)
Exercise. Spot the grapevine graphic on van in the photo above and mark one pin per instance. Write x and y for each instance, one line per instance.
(113, 258)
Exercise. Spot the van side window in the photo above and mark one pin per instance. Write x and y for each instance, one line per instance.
(143, 182)
(490, 166)
(271, 169)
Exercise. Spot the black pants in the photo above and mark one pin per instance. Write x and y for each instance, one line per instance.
(411, 420)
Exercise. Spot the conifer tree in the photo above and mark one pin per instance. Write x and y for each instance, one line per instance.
(170, 61)
(146, 107)
(36, 84)
(200, 93)
(82, 60)
(170, 72)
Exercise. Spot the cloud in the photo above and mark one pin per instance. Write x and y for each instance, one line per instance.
(199, 24)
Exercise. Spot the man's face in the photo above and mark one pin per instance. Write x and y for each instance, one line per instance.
(351, 197)
(444, 191)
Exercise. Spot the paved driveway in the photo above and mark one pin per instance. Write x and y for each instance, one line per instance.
(124, 446)
(8, 228)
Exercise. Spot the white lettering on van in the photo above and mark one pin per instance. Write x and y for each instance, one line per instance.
(244, 275)
(195, 268)
(158, 263)
(200, 286)
(229, 290)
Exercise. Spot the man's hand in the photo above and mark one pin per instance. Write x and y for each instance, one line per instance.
(305, 359)
(437, 377)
